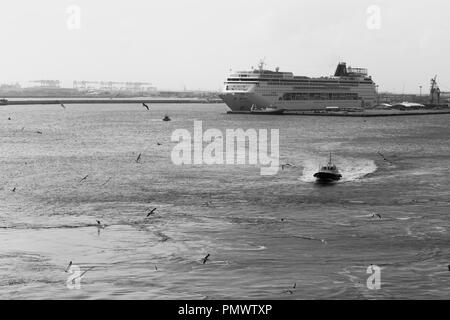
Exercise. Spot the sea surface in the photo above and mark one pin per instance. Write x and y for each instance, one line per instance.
(61, 170)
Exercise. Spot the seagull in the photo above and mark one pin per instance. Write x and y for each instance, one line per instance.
(287, 165)
(376, 215)
(162, 236)
(151, 212)
(68, 267)
(146, 106)
(107, 181)
(159, 144)
(295, 285)
(100, 225)
(448, 267)
(206, 258)
(382, 155)
(62, 105)
(9, 118)
(14, 190)
(39, 132)
(138, 158)
(84, 178)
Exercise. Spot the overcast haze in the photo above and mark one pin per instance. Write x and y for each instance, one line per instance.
(195, 43)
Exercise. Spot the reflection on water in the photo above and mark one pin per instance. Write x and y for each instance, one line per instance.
(263, 233)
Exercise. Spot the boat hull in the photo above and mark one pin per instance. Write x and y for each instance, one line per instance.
(327, 176)
(241, 102)
(279, 111)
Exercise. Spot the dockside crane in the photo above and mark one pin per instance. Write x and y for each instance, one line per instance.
(435, 92)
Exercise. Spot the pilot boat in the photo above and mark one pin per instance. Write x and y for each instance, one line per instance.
(328, 173)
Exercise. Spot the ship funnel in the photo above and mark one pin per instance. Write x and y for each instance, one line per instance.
(341, 70)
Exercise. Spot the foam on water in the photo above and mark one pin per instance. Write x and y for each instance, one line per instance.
(351, 168)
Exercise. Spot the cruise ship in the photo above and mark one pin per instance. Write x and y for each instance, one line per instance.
(349, 88)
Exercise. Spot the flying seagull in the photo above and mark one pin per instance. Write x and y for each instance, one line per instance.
(68, 267)
(138, 158)
(206, 204)
(100, 225)
(287, 165)
(376, 215)
(206, 258)
(14, 190)
(84, 178)
(384, 158)
(289, 290)
(146, 106)
(109, 179)
(151, 212)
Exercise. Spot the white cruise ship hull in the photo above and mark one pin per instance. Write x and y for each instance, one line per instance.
(244, 101)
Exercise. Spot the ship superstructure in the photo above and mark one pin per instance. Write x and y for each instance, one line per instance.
(350, 88)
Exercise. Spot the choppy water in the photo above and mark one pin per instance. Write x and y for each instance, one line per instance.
(264, 233)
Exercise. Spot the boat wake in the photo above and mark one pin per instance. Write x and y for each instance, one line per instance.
(351, 168)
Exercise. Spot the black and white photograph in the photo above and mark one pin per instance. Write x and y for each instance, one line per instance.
(252, 150)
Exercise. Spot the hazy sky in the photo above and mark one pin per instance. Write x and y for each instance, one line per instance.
(194, 43)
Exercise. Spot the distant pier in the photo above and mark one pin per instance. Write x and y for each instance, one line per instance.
(105, 101)
(366, 113)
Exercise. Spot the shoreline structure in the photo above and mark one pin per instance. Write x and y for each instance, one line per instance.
(322, 113)
(103, 101)
(363, 114)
